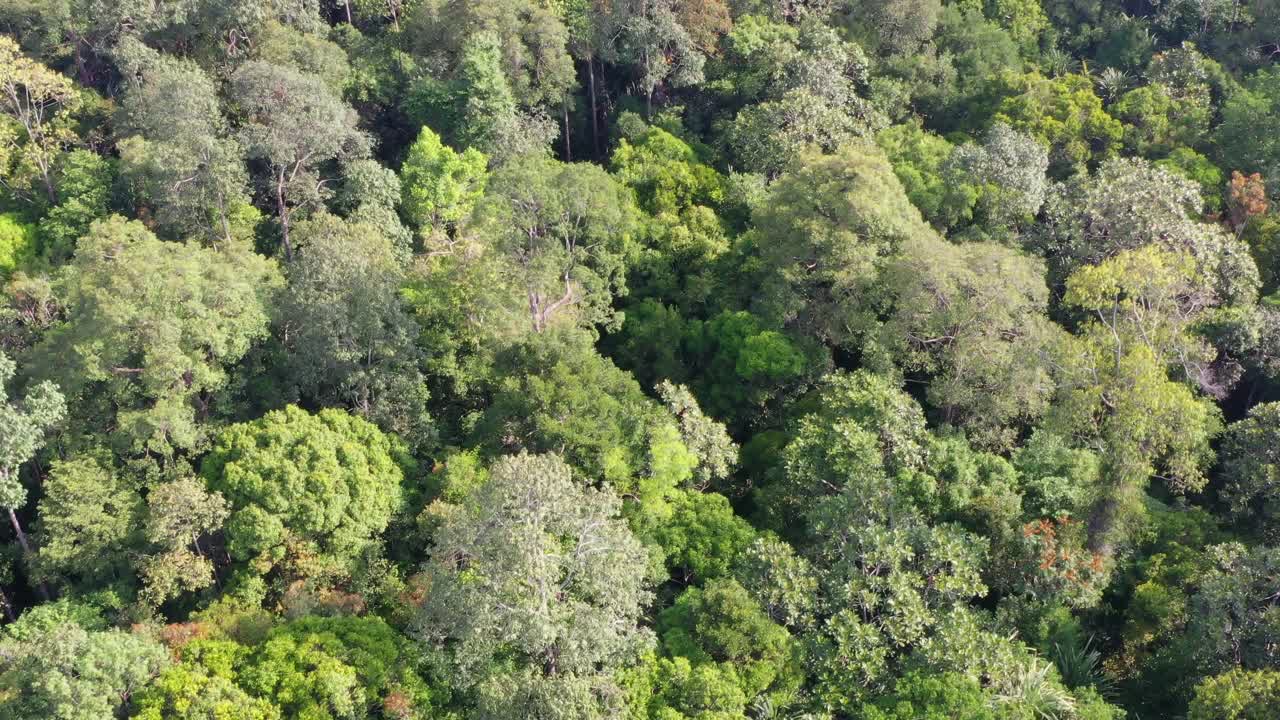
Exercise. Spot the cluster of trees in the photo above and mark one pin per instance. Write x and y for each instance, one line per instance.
(648, 359)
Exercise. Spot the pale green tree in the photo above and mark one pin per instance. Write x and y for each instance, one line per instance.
(55, 669)
(23, 426)
(349, 341)
(489, 117)
(822, 233)
(177, 149)
(1115, 390)
(973, 319)
(537, 593)
(179, 514)
(90, 517)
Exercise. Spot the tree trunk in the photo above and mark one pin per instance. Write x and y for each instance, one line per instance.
(282, 207)
(49, 188)
(348, 6)
(595, 115)
(26, 548)
(568, 148)
(8, 608)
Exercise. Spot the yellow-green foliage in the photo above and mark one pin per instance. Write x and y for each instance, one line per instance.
(17, 243)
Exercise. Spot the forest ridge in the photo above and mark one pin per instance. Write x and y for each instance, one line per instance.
(639, 360)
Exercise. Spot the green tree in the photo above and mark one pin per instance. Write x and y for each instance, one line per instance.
(1158, 121)
(60, 670)
(1251, 467)
(293, 123)
(682, 236)
(919, 158)
(823, 229)
(189, 691)
(23, 425)
(314, 667)
(1065, 114)
(38, 105)
(972, 318)
(1007, 172)
(1128, 204)
(554, 393)
(370, 195)
(706, 439)
(177, 149)
(488, 116)
(1246, 137)
(932, 697)
(702, 537)
(307, 492)
(677, 688)
(17, 243)
(783, 582)
(954, 81)
(657, 45)
(1115, 393)
(1229, 617)
(722, 623)
(792, 89)
(179, 514)
(531, 42)
(441, 186)
(895, 28)
(151, 330)
(348, 339)
(767, 137)
(285, 45)
(1194, 166)
(1237, 695)
(85, 181)
(897, 583)
(547, 604)
(863, 431)
(563, 235)
(89, 522)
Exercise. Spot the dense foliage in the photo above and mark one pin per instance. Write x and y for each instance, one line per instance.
(639, 359)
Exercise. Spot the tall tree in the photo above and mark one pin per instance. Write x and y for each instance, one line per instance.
(151, 330)
(294, 123)
(563, 234)
(823, 230)
(178, 150)
(1115, 392)
(972, 318)
(488, 115)
(348, 338)
(440, 185)
(537, 593)
(307, 492)
(38, 104)
(654, 42)
(23, 425)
